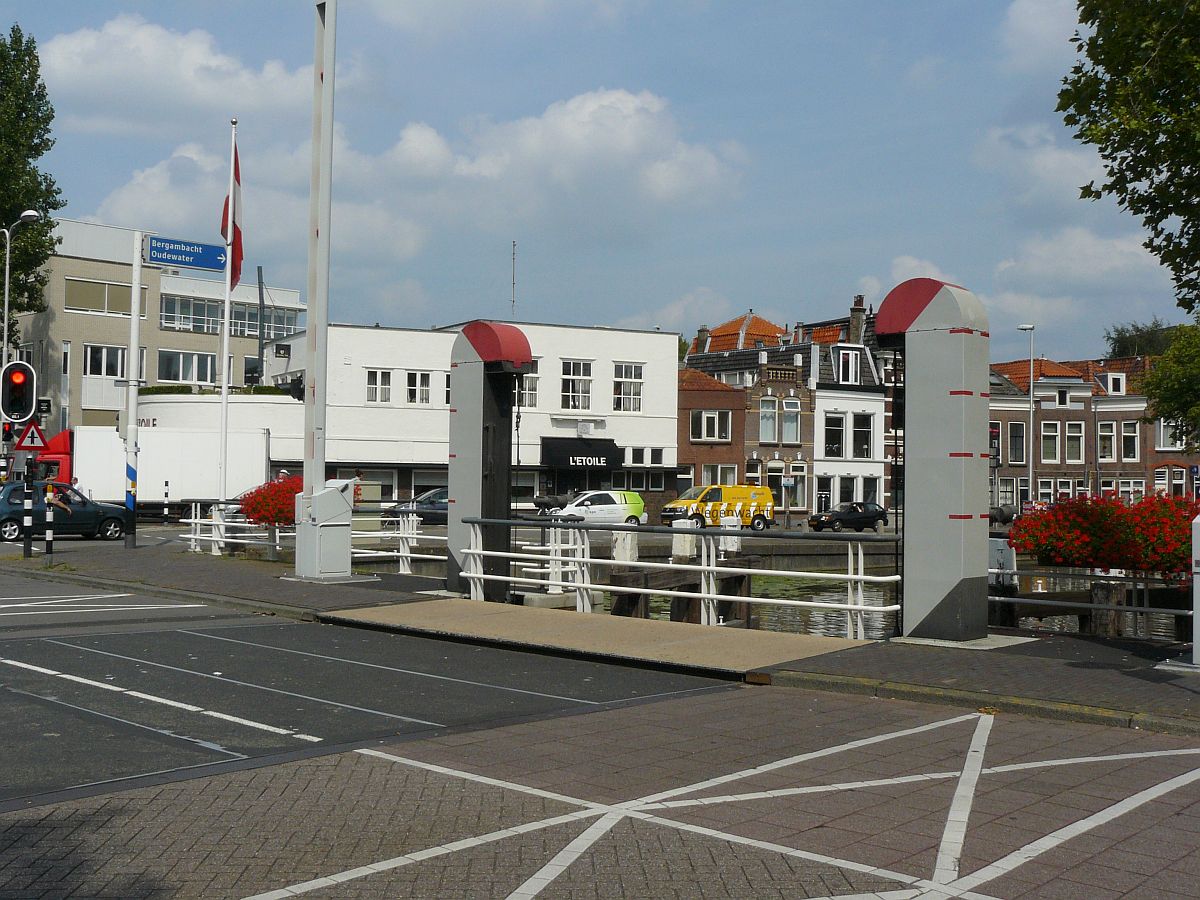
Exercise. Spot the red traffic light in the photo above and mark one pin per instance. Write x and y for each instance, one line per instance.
(18, 391)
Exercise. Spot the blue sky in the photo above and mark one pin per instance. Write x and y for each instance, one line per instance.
(660, 163)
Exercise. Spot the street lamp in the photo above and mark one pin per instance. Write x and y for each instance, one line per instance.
(30, 215)
(1029, 448)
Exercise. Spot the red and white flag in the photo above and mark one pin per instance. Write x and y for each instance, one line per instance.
(234, 243)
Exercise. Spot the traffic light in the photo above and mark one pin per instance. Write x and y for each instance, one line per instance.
(18, 391)
(9, 433)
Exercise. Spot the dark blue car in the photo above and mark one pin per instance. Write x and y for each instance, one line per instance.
(90, 519)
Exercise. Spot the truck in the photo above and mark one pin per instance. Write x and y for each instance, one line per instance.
(175, 466)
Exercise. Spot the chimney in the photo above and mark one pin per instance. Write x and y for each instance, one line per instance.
(702, 339)
(858, 318)
(796, 332)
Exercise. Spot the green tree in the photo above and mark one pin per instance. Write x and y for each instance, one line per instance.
(1135, 95)
(1172, 386)
(25, 118)
(1139, 338)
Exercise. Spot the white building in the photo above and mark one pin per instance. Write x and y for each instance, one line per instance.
(597, 393)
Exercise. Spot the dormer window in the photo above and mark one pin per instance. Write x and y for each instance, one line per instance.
(847, 361)
(1116, 382)
(1064, 397)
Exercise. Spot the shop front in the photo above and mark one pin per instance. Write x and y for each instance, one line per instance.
(571, 465)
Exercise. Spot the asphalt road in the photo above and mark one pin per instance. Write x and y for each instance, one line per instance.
(101, 689)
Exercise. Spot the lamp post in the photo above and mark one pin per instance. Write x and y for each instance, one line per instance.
(1029, 328)
(30, 215)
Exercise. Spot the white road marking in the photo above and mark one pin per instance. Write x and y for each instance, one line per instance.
(258, 687)
(1036, 848)
(355, 662)
(916, 886)
(57, 598)
(955, 834)
(151, 698)
(80, 609)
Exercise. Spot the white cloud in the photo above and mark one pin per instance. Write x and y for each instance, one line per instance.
(437, 18)
(1042, 170)
(1080, 258)
(1036, 34)
(1045, 310)
(703, 306)
(871, 288)
(925, 72)
(906, 267)
(134, 76)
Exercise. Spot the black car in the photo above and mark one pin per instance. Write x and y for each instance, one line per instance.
(856, 515)
(104, 520)
(430, 507)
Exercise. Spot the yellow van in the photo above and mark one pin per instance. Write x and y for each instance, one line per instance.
(705, 505)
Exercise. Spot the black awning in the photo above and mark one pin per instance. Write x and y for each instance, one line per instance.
(581, 453)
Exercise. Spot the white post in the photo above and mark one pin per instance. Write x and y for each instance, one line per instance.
(133, 372)
(1196, 591)
(223, 360)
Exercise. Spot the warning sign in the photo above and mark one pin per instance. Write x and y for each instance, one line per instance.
(31, 438)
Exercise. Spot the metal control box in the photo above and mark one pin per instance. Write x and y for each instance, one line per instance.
(330, 511)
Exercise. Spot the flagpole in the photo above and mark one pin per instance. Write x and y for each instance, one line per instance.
(230, 230)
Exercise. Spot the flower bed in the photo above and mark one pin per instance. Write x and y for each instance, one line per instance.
(1153, 535)
(273, 503)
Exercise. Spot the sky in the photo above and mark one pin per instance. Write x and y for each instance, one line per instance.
(659, 163)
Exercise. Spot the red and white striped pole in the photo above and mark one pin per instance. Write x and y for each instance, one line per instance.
(27, 522)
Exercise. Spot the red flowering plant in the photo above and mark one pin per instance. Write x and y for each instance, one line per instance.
(1152, 535)
(273, 503)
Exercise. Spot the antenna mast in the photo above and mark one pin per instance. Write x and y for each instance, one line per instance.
(514, 285)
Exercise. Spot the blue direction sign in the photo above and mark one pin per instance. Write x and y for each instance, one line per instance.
(165, 251)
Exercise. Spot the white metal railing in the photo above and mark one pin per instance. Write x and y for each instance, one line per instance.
(224, 525)
(398, 535)
(565, 563)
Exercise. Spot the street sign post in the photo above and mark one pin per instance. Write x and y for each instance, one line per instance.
(163, 251)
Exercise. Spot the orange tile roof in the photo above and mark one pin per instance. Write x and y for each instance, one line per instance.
(740, 333)
(695, 380)
(827, 334)
(1017, 371)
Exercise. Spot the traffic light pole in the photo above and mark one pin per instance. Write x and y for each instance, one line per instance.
(27, 523)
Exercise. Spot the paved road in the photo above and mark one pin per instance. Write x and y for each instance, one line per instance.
(98, 688)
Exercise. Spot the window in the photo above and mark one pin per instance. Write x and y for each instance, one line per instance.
(1108, 487)
(656, 481)
(1073, 442)
(418, 388)
(1129, 441)
(190, 314)
(710, 424)
(576, 384)
(798, 492)
(848, 367)
(846, 488)
(1062, 398)
(1050, 442)
(187, 367)
(1016, 443)
(1131, 488)
(1168, 435)
(627, 387)
(1106, 441)
(1046, 490)
(103, 362)
(66, 357)
(526, 387)
(718, 473)
(753, 471)
(637, 456)
(1064, 489)
(835, 426)
(791, 422)
(767, 420)
(1116, 383)
(683, 479)
(379, 386)
(1008, 492)
(100, 297)
(448, 395)
(656, 456)
(1023, 490)
(862, 425)
(870, 489)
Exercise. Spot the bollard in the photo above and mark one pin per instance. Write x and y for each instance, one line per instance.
(49, 525)
(27, 522)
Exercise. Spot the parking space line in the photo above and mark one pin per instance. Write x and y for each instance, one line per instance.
(955, 833)
(151, 698)
(355, 662)
(246, 684)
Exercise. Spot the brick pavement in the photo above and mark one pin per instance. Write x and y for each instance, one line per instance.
(806, 795)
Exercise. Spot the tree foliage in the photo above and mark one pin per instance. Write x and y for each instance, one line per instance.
(1139, 338)
(1172, 387)
(1135, 95)
(25, 119)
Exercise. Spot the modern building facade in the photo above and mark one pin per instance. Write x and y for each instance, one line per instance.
(78, 345)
